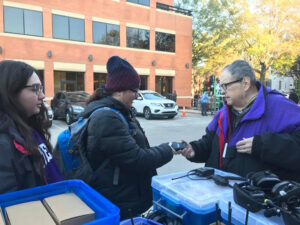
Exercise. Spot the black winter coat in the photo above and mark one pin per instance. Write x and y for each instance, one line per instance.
(128, 151)
(293, 96)
(16, 169)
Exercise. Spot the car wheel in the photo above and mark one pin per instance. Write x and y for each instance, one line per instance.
(147, 113)
(68, 118)
(171, 117)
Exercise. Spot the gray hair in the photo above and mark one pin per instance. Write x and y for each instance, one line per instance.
(240, 69)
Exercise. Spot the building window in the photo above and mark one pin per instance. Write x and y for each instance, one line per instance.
(141, 2)
(23, 21)
(164, 42)
(68, 81)
(99, 80)
(137, 38)
(144, 82)
(164, 85)
(107, 34)
(68, 28)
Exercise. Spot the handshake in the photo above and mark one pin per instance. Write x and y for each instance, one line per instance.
(176, 146)
(182, 148)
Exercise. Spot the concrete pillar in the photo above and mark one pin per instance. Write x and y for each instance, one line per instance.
(151, 79)
(49, 79)
(122, 34)
(88, 26)
(89, 79)
(47, 22)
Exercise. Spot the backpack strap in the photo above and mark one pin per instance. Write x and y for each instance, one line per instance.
(117, 169)
(113, 110)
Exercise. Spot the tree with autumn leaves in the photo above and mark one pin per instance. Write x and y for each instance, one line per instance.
(264, 32)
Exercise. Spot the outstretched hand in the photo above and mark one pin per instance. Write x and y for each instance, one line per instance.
(245, 145)
(188, 151)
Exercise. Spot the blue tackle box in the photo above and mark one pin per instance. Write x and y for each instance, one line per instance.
(188, 198)
(139, 221)
(106, 213)
(238, 214)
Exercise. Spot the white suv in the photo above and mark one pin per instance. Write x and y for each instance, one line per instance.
(152, 104)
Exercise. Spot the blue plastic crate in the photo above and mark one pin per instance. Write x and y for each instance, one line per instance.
(238, 214)
(106, 213)
(193, 201)
(140, 221)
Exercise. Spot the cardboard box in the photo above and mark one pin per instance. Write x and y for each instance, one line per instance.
(29, 213)
(2, 222)
(68, 209)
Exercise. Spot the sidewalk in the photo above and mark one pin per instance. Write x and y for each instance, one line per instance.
(190, 110)
(193, 110)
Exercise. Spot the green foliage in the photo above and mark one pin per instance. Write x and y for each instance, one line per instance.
(295, 70)
(271, 38)
(297, 88)
(264, 32)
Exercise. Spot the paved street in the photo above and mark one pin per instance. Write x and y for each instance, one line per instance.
(159, 131)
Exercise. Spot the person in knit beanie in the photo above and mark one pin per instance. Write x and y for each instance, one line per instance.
(117, 144)
(121, 76)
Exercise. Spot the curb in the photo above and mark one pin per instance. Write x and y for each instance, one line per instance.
(193, 112)
(190, 111)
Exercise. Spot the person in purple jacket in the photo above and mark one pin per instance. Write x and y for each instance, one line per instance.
(257, 129)
(25, 150)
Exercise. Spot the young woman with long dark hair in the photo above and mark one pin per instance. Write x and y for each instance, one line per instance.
(25, 149)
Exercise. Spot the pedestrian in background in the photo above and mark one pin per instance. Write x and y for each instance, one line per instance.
(126, 178)
(26, 160)
(293, 96)
(259, 129)
(174, 96)
(195, 100)
(204, 103)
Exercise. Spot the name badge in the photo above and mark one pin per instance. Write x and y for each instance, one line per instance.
(224, 150)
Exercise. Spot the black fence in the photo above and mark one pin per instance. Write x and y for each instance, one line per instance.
(173, 9)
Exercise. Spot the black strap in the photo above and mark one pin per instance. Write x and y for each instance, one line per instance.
(97, 172)
(116, 172)
(116, 175)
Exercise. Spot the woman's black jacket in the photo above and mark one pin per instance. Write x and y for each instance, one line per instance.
(17, 170)
(126, 179)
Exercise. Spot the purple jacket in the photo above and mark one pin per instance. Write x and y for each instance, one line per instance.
(273, 121)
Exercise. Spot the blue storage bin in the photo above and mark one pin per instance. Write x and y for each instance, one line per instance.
(193, 201)
(140, 221)
(238, 214)
(106, 213)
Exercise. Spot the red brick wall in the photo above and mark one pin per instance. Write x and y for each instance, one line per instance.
(27, 47)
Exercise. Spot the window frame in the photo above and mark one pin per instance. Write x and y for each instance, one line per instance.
(165, 44)
(106, 33)
(138, 35)
(69, 28)
(139, 2)
(23, 21)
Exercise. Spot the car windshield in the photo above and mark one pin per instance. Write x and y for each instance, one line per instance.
(152, 96)
(78, 97)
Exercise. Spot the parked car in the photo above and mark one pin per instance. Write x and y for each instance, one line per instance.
(50, 113)
(151, 104)
(68, 105)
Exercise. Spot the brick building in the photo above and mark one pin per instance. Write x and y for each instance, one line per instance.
(69, 42)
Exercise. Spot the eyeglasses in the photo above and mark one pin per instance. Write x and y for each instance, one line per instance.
(134, 91)
(225, 86)
(37, 88)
